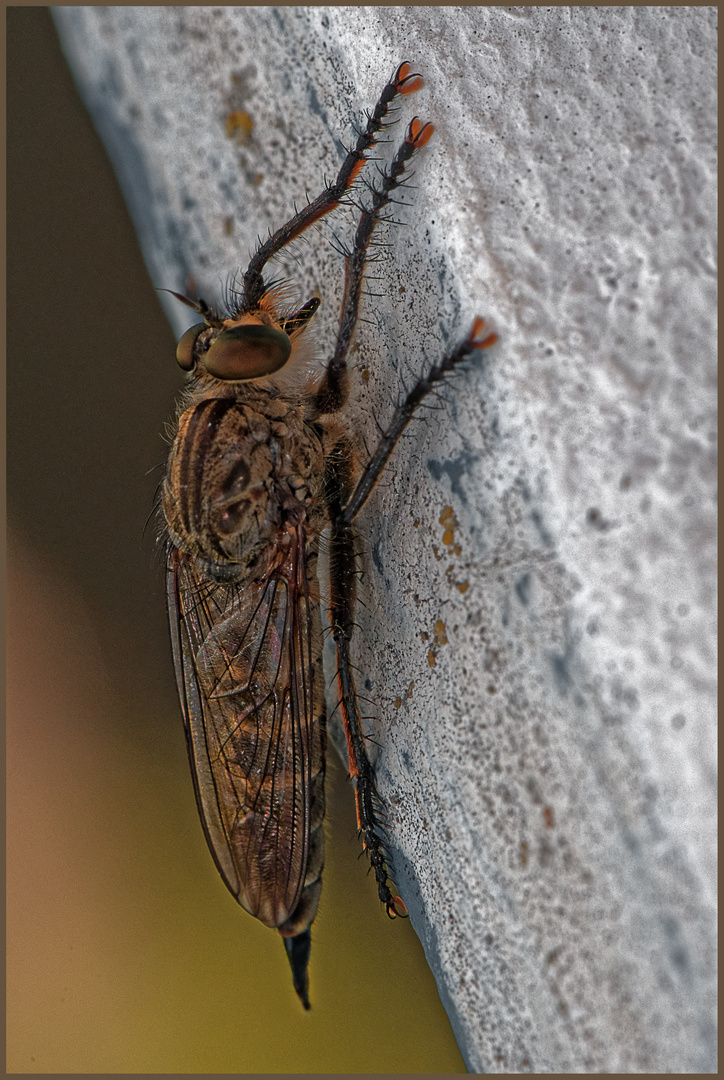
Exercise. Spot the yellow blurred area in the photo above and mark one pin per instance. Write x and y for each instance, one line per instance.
(125, 951)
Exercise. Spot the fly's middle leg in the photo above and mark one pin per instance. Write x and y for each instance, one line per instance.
(476, 341)
(344, 507)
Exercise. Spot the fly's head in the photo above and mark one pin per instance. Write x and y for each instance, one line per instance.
(253, 343)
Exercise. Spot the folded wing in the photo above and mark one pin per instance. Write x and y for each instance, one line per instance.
(245, 669)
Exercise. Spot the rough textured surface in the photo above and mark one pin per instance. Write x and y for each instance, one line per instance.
(538, 632)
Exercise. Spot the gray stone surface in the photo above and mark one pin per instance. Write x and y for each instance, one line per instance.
(537, 637)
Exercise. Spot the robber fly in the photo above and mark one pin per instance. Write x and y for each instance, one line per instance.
(259, 468)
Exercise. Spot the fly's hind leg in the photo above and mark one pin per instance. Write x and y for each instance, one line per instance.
(474, 342)
(343, 509)
(342, 597)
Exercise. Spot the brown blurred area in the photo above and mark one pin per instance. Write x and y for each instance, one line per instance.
(125, 952)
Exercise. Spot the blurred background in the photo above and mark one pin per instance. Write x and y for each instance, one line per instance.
(125, 951)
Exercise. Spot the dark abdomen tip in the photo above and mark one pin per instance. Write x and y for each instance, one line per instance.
(298, 950)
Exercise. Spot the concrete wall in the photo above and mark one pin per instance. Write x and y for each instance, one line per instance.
(537, 637)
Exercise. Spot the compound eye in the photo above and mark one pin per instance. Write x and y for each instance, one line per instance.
(185, 347)
(247, 352)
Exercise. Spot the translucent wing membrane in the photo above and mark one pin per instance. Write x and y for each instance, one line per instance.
(246, 676)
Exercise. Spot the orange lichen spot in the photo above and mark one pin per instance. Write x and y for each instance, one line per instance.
(239, 125)
(439, 639)
(548, 816)
(365, 375)
(416, 524)
(424, 635)
(450, 524)
(400, 701)
(523, 852)
(492, 689)
(228, 226)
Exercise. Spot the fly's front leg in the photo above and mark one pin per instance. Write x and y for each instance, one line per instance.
(404, 82)
(334, 389)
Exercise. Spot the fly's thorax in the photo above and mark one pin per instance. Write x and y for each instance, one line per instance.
(239, 476)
